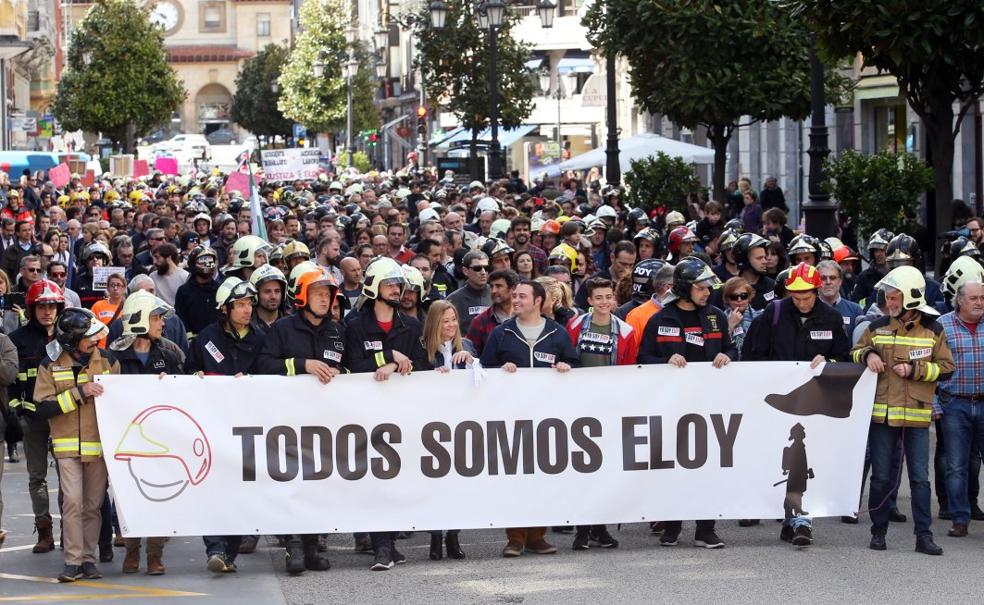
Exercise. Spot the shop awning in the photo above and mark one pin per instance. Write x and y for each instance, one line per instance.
(574, 65)
(506, 136)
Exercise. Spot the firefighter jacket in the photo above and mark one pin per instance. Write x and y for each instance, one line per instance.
(30, 342)
(58, 397)
(368, 347)
(920, 342)
(292, 340)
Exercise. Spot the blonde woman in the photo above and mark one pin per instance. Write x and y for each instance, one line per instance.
(446, 350)
(559, 303)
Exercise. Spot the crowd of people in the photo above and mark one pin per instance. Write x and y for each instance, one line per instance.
(387, 273)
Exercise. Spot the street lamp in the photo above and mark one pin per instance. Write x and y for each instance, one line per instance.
(319, 69)
(381, 36)
(439, 13)
(496, 10)
(819, 210)
(380, 69)
(558, 94)
(352, 68)
(546, 10)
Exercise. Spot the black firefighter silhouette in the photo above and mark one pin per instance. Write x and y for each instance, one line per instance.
(829, 394)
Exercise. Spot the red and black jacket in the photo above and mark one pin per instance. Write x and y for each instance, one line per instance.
(665, 336)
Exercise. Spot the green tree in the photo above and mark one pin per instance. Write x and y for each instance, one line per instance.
(321, 104)
(934, 48)
(455, 66)
(254, 106)
(116, 79)
(880, 190)
(711, 63)
(361, 160)
(661, 180)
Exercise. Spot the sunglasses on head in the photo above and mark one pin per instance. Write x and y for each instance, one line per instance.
(738, 296)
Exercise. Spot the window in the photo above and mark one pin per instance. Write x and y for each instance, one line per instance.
(212, 17)
(263, 24)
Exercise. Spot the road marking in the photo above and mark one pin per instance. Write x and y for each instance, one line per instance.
(127, 591)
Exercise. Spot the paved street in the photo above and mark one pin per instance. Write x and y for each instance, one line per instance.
(753, 568)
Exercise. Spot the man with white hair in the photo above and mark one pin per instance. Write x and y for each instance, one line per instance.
(961, 398)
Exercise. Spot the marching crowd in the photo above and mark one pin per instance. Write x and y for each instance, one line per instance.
(387, 273)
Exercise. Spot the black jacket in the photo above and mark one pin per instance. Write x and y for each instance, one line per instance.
(216, 351)
(195, 305)
(865, 285)
(30, 341)
(87, 294)
(778, 334)
(368, 348)
(165, 356)
(291, 341)
(665, 336)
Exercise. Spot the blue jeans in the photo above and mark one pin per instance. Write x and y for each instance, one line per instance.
(963, 427)
(884, 440)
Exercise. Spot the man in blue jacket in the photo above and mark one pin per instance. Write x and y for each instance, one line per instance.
(529, 340)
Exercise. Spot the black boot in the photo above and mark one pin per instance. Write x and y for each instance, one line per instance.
(314, 560)
(581, 538)
(436, 554)
(925, 545)
(453, 547)
(295, 556)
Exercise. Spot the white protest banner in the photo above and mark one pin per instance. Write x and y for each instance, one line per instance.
(278, 455)
(100, 275)
(290, 164)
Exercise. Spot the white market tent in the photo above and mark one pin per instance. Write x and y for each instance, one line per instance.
(634, 148)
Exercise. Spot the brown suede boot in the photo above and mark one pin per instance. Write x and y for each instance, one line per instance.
(131, 564)
(46, 539)
(155, 566)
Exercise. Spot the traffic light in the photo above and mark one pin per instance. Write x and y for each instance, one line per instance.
(422, 122)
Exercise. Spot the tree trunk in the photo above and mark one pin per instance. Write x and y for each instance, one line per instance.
(720, 136)
(939, 137)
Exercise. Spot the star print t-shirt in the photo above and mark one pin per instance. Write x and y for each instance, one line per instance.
(596, 346)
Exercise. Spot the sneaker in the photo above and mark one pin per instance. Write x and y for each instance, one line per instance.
(708, 539)
(90, 571)
(850, 519)
(231, 566)
(802, 536)
(398, 557)
(383, 561)
(216, 563)
(71, 573)
(541, 547)
(603, 538)
(581, 540)
(512, 549)
(670, 537)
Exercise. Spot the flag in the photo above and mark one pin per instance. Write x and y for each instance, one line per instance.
(242, 161)
(255, 208)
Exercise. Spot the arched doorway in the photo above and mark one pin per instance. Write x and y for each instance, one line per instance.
(213, 102)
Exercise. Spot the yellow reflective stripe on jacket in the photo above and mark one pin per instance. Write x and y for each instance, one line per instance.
(14, 403)
(65, 402)
(22, 376)
(82, 379)
(29, 406)
(67, 444)
(856, 355)
(291, 368)
(882, 339)
(63, 375)
(932, 371)
(32, 373)
(882, 411)
(91, 448)
(380, 358)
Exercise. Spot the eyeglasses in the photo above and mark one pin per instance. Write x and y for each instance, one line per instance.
(482, 268)
(33, 269)
(739, 296)
(57, 275)
(156, 239)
